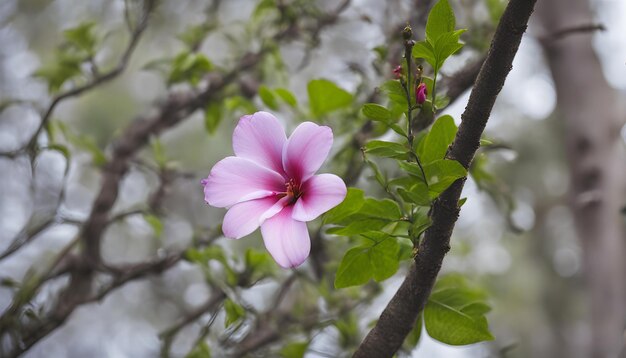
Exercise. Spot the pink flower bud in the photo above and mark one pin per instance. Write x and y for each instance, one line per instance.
(420, 93)
(398, 72)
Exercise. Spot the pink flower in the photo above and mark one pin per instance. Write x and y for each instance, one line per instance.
(420, 93)
(271, 183)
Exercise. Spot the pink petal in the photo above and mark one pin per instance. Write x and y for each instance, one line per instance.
(243, 218)
(286, 239)
(233, 180)
(306, 150)
(320, 194)
(260, 138)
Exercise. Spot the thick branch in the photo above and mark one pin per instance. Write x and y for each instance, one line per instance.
(399, 316)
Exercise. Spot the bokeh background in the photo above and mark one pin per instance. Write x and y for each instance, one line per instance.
(517, 237)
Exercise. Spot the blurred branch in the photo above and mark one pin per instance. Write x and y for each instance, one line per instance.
(398, 318)
(169, 334)
(578, 29)
(98, 80)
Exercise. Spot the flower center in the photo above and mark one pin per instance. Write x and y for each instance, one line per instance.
(293, 190)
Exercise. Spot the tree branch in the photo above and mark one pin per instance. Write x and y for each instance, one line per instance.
(399, 316)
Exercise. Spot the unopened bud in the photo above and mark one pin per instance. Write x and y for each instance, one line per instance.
(407, 33)
(397, 72)
(420, 93)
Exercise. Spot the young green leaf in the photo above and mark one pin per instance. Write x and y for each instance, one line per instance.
(212, 116)
(268, 98)
(386, 149)
(234, 312)
(441, 174)
(376, 112)
(438, 139)
(455, 313)
(377, 259)
(351, 204)
(326, 97)
(440, 20)
(286, 96)
(396, 93)
(294, 350)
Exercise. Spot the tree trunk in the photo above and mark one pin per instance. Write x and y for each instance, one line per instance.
(592, 117)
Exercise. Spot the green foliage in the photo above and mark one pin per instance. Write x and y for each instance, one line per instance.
(155, 223)
(326, 97)
(189, 67)
(377, 258)
(372, 215)
(78, 47)
(193, 35)
(442, 41)
(212, 116)
(82, 37)
(386, 149)
(376, 112)
(259, 264)
(234, 312)
(294, 349)
(438, 139)
(202, 350)
(352, 203)
(286, 96)
(440, 21)
(455, 312)
(268, 97)
(441, 174)
(83, 142)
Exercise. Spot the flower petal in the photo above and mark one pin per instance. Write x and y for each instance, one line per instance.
(319, 194)
(286, 239)
(260, 138)
(233, 180)
(306, 150)
(243, 218)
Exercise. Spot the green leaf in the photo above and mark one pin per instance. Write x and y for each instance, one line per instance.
(64, 68)
(421, 222)
(326, 97)
(386, 149)
(441, 174)
(440, 20)
(202, 350)
(194, 35)
(189, 67)
(447, 45)
(158, 152)
(423, 49)
(396, 94)
(83, 142)
(376, 112)
(82, 37)
(455, 313)
(359, 226)
(212, 116)
(234, 312)
(416, 194)
(294, 350)
(286, 96)
(377, 259)
(259, 264)
(352, 203)
(155, 223)
(438, 139)
(268, 98)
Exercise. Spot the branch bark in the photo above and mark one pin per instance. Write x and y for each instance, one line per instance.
(399, 316)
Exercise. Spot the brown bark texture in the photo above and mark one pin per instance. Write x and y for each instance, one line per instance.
(399, 317)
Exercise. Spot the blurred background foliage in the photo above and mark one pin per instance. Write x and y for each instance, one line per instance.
(315, 60)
